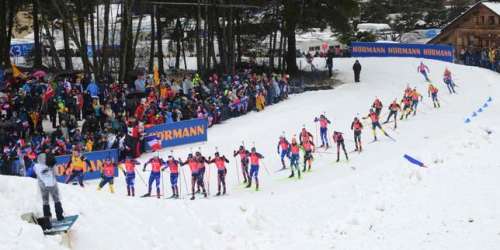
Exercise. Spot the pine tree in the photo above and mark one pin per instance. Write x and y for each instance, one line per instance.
(435, 12)
(457, 7)
(375, 11)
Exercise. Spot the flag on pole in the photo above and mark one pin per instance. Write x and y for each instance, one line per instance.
(153, 142)
(156, 75)
(15, 71)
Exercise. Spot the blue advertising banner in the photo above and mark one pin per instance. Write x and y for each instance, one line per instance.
(179, 133)
(428, 51)
(96, 159)
(17, 50)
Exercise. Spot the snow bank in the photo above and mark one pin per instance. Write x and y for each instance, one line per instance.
(376, 201)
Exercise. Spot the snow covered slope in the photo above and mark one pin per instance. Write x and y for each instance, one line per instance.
(376, 201)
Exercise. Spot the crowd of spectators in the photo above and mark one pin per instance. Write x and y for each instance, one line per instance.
(78, 113)
(482, 57)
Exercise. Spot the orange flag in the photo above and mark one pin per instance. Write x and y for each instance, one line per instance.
(156, 75)
(15, 71)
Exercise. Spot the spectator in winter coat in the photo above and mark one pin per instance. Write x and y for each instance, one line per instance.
(140, 84)
(357, 70)
(93, 89)
(329, 61)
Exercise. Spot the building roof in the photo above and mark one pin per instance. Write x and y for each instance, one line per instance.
(493, 6)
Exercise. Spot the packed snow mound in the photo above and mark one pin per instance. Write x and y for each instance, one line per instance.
(377, 200)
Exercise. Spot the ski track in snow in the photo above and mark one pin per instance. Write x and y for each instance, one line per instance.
(377, 200)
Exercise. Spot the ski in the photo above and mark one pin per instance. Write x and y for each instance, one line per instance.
(390, 137)
(341, 162)
(281, 169)
(191, 194)
(221, 195)
(150, 196)
(172, 198)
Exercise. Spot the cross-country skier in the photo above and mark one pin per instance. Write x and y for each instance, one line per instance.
(408, 91)
(394, 107)
(305, 136)
(415, 98)
(220, 163)
(45, 172)
(357, 127)
(254, 168)
(156, 168)
(407, 103)
(375, 124)
(129, 173)
(284, 145)
(201, 169)
(173, 166)
(76, 167)
(243, 153)
(193, 166)
(308, 147)
(107, 175)
(339, 139)
(294, 158)
(433, 92)
(377, 105)
(323, 130)
(449, 81)
(424, 70)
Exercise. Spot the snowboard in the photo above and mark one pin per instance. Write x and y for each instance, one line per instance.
(58, 227)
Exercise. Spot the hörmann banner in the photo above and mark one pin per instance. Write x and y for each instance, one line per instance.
(96, 159)
(428, 51)
(179, 133)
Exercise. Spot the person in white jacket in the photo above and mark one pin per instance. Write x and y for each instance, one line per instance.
(45, 172)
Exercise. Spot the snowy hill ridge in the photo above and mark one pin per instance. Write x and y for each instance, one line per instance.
(377, 200)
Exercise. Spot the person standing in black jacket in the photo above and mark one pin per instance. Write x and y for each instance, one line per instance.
(329, 62)
(357, 70)
(52, 110)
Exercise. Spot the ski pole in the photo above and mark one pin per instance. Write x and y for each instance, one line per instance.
(265, 168)
(237, 170)
(316, 133)
(140, 177)
(329, 153)
(162, 185)
(185, 182)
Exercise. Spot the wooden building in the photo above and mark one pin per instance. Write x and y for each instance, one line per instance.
(478, 27)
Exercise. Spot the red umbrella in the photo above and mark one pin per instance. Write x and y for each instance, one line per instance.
(39, 74)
